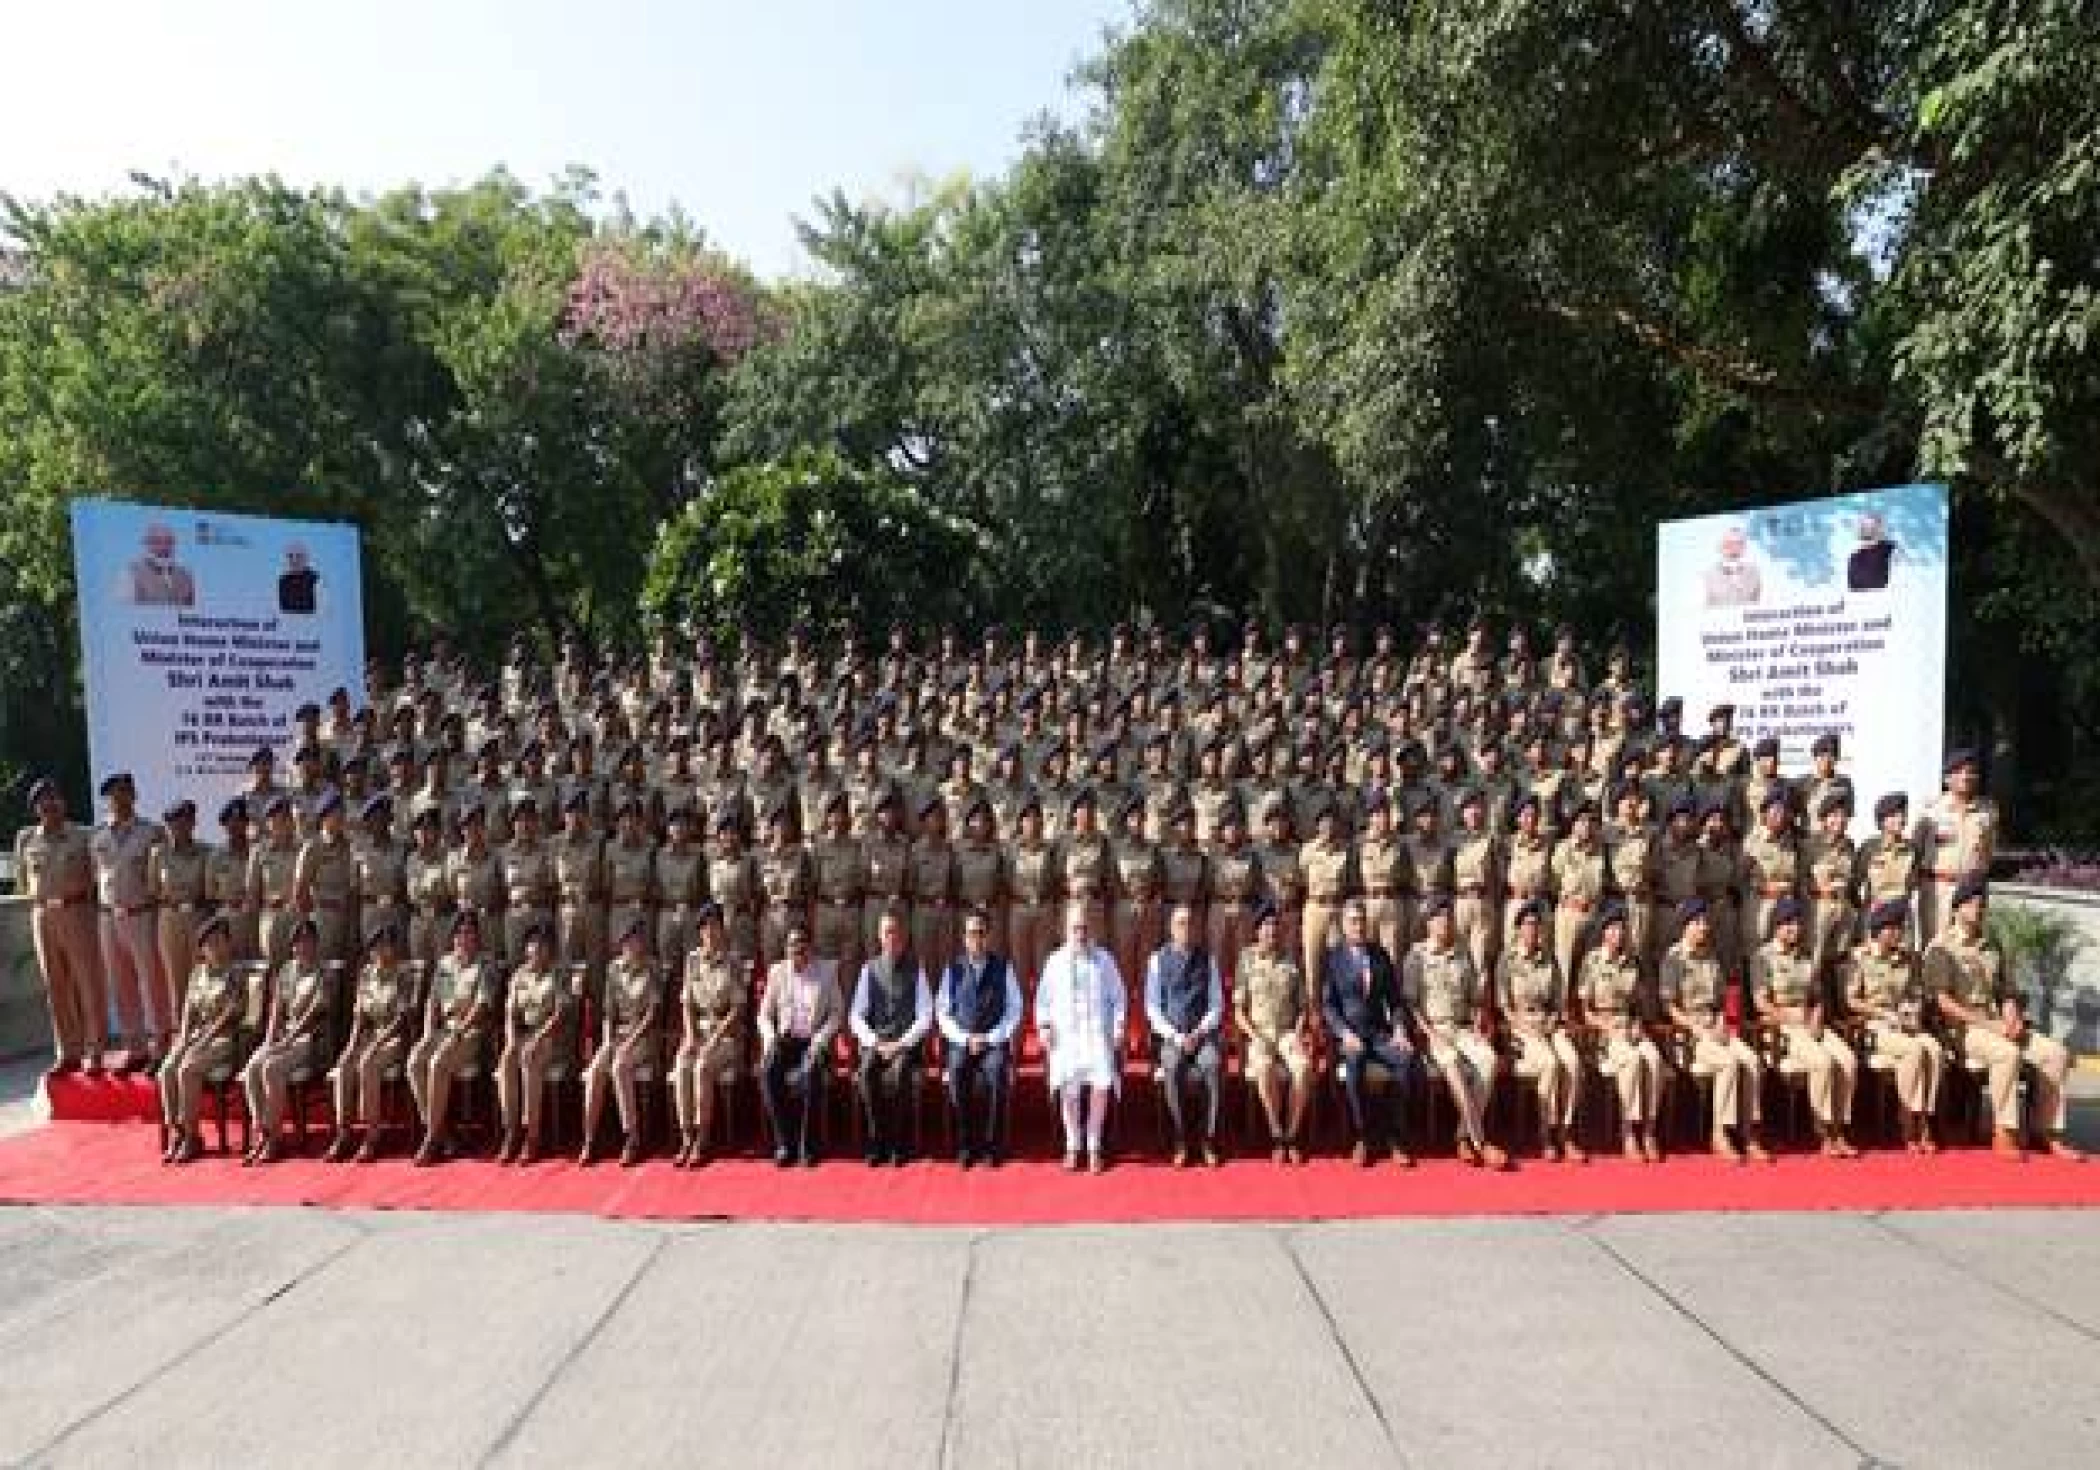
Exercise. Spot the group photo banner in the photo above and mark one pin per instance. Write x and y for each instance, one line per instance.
(1812, 617)
(202, 633)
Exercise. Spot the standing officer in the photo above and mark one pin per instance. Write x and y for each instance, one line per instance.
(177, 878)
(579, 877)
(891, 1012)
(429, 880)
(272, 873)
(932, 867)
(1273, 1009)
(1031, 880)
(226, 879)
(1886, 868)
(680, 886)
(1476, 876)
(1828, 861)
(325, 879)
(1956, 839)
(712, 1000)
(529, 886)
(1383, 870)
(1772, 858)
(630, 872)
(1330, 876)
(55, 871)
(1581, 877)
(381, 871)
(840, 871)
(1235, 881)
(129, 941)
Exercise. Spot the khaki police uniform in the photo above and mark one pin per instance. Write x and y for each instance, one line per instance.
(1885, 989)
(631, 1043)
(1970, 968)
(301, 1002)
(536, 1006)
(1611, 989)
(55, 871)
(381, 1013)
(324, 882)
(214, 1001)
(714, 994)
(178, 878)
(1440, 987)
(1530, 990)
(1694, 982)
(130, 941)
(1785, 982)
(462, 1005)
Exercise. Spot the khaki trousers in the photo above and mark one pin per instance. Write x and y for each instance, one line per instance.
(1738, 1077)
(615, 1067)
(521, 1082)
(65, 944)
(131, 965)
(1916, 1058)
(267, 1080)
(1478, 929)
(175, 934)
(1548, 1061)
(1031, 931)
(1389, 920)
(696, 1073)
(1466, 1060)
(182, 1078)
(838, 938)
(1228, 932)
(360, 1073)
(437, 1060)
(1832, 1070)
(2000, 1057)
(1635, 1064)
(1320, 928)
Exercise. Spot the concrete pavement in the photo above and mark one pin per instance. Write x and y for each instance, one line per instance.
(253, 1337)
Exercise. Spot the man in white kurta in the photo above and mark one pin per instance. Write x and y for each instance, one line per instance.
(1079, 1011)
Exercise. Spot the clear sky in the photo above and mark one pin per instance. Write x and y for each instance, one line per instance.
(741, 112)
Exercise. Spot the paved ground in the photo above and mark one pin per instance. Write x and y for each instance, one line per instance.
(260, 1337)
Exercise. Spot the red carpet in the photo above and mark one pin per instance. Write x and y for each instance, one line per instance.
(102, 1164)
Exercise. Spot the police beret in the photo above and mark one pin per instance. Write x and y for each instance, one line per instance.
(1836, 801)
(1721, 712)
(725, 819)
(278, 803)
(307, 753)
(1587, 807)
(339, 695)
(1232, 813)
(1674, 705)
(1890, 911)
(632, 802)
(1825, 744)
(1472, 796)
(1084, 797)
(235, 810)
(385, 933)
(42, 787)
(1775, 797)
(1030, 802)
(1965, 756)
(1527, 802)
(1261, 910)
(305, 928)
(464, 919)
(524, 802)
(331, 801)
(1974, 886)
(978, 803)
(474, 815)
(636, 927)
(400, 755)
(312, 711)
(1787, 911)
(1765, 749)
(1377, 801)
(357, 763)
(489, 747)
(120, 780)
(1713, 808)
(1532, 908)
(932, 805)
(709, 912)
(430, 816)
(1612, 913)
(1890, 805)
(216, 924)
(578, 800)
(376, 806)
(1690, 909)
(1436, 903)
(180, 811)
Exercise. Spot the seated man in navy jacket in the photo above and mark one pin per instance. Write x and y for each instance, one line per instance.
(978, 1009)
(1367, 1021)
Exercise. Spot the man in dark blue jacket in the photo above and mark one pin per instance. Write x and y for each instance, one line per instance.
(1368, 1023)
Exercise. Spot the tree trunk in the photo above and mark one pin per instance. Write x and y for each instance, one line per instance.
(2073, 513)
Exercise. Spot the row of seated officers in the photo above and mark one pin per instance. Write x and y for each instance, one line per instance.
(1432, 1017)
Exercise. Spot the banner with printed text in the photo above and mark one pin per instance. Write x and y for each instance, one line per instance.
(201, 635)
(1821, 615)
